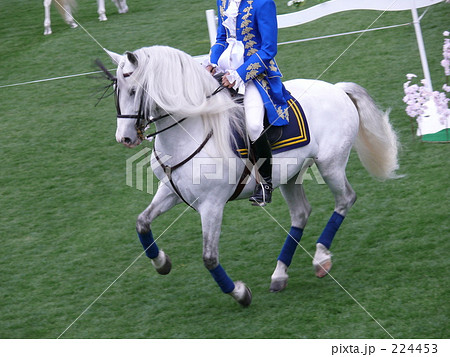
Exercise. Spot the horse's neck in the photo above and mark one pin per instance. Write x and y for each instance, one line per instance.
(181, 138)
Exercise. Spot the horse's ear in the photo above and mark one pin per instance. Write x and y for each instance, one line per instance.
(132, 58)
(116, 58)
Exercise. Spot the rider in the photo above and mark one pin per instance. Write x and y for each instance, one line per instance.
(244, 51)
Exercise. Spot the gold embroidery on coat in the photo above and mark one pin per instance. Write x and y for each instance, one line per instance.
(263, 81)
(222, 8)
(245, 20)
(282, 113)
(246, 23)
(252, 70)
(248, 37)
(246, 31)
(251, 51)
(250, 44)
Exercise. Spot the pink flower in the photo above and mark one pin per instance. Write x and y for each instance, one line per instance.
(417, 96)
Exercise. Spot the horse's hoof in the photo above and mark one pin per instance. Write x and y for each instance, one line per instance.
(323, 269)
(242, 293)
(279, 277)
(166, 268)
(277, 285)
(322, 261)
(162, 263)
(102, 17)
(47, 31)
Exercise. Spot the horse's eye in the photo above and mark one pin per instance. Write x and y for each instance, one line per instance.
(132, 92)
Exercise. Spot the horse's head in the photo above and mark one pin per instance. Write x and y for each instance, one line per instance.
(131, 119)
(162, 83)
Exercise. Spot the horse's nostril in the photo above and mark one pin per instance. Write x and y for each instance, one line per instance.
(126, 140)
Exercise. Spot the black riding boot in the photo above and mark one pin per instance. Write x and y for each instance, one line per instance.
(263, 191)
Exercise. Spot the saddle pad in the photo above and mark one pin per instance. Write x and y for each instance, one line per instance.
(292, 136)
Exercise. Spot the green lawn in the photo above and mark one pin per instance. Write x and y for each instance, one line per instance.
(67, 223)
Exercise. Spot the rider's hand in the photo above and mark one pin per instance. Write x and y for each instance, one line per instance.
(211, 69)
(226, 82)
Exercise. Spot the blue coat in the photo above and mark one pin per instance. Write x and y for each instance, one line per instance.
(256, 27)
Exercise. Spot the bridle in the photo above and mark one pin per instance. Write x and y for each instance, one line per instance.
(143, 120)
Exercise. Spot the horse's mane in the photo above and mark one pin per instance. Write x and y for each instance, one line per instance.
(177, 83)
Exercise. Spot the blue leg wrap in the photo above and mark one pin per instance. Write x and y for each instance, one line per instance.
(290, 244)
(326, 238)
(149, 245)
(222, 279)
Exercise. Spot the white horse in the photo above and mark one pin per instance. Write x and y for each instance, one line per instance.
(193, 159)
(66, 7)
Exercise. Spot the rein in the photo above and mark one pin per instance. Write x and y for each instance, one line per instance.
(168, 170)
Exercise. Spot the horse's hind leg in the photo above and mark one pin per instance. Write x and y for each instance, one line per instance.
(299, 209)
(333, 173)
(211, 216)
(66, 11)
(121, 6)
(163, 200)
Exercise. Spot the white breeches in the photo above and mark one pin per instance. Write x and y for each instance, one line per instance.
(254, 111)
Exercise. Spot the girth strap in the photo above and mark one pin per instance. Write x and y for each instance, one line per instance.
(168, 170)
(242, 182)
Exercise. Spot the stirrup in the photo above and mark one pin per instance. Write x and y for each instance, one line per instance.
(262, 195)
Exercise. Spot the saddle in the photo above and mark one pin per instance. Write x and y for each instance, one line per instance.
(281, 138)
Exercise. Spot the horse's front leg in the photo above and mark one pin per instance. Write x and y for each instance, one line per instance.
(101, 10)
(163, 200)
(211, 216)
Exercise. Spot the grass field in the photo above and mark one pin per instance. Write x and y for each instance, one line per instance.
(67, 223)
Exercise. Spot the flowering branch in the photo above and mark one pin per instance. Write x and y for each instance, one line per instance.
(446, 61)
(417, 96)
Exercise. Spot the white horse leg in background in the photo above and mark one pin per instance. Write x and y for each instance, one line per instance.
(120, 4)
(65, 8)
(101, 10)
(47, 21)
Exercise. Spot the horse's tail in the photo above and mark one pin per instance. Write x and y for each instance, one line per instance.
(65, 6)
(376, 144)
